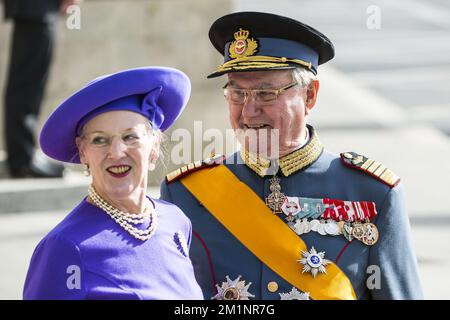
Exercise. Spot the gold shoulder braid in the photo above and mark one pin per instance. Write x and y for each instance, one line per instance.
(180, 172)
(373, 168)
(290, 163)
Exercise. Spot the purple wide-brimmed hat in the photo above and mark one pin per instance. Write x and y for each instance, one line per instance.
(158, 93)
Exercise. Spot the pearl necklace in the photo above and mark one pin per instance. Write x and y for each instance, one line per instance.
(126, 220)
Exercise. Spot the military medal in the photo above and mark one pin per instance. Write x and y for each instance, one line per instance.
(332, 228)
(370, 236)
(340, 225)
(325, 216)
(276, 198)
(301, 226)
(314, 262)
(291, 206)
(347, 231)
(297, 226)
(294, 294)
(233, 290)
(306, 226)
(358, 231)
(314, 225)
(321, 228)
(367, 233)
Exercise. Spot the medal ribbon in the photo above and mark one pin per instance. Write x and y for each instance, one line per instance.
(330, 209)
(247, 217)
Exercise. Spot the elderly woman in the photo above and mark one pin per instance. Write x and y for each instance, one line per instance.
(118, 243)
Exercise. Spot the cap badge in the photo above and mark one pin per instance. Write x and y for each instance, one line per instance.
(242, 46)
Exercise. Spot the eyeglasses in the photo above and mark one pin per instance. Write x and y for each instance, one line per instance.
(131, 139)
(262, 96)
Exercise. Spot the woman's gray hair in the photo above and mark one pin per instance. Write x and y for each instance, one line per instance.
(163, 148)
(149, 126)
(303, 76)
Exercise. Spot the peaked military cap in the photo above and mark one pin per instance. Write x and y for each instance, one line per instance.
(253, 41)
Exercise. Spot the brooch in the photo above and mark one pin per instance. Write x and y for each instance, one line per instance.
(181, 243)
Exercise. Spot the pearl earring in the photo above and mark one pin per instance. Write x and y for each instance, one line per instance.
(86, 171)
(151, 166)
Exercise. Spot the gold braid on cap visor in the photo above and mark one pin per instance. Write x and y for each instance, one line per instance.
(260, 62)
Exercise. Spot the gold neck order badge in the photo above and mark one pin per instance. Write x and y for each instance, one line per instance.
(288, 164)
(276, 198)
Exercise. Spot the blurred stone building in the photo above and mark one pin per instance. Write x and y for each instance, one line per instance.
(121, 34)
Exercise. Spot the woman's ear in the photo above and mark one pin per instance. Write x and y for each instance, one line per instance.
(80, 147)
(154, 153)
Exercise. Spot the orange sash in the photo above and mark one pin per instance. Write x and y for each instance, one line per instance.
(247, 217)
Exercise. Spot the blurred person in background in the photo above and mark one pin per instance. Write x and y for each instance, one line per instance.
(31, 53)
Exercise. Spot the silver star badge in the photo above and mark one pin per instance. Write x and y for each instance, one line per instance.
(314, 262)
(233, 290)
(294, 295)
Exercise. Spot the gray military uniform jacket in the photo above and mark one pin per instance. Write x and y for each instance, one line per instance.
(386, 270)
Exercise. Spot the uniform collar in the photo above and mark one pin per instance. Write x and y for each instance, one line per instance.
(288, 164)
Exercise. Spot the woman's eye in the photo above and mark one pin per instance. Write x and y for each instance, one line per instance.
(99, 140)
(130, 137)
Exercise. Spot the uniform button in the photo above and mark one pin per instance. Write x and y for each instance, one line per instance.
(272, 286)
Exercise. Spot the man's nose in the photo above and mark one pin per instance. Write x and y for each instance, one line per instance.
(117, 148)
(250, 108)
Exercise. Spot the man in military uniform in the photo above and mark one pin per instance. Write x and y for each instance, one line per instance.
(306, 223)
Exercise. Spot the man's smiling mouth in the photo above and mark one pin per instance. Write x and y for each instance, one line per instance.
(257, 126)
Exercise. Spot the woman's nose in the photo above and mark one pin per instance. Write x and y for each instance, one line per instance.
(117, 148)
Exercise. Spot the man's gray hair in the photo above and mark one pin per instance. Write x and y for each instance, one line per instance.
(303, 76)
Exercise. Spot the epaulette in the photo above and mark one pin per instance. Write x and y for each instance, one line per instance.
(180, 172)
(373, 168)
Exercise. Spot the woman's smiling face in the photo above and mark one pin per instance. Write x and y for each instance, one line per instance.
(118, 147)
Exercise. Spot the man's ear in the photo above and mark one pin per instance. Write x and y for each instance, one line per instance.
(311, 95)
